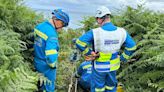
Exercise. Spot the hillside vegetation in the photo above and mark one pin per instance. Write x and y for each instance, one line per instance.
(17, 74)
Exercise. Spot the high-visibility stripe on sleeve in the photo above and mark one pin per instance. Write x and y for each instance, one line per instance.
(87, 66)
(100, 89)
(131, 49)
(52, 64)
(40, 34)
(83, 44)
(109, 87)
(85, 51)
(125, 56)
(50, 52)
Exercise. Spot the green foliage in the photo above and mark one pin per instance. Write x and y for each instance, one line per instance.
(65, 67)
(17, 75)
(16, 21)
(88, 23)
(147, 28)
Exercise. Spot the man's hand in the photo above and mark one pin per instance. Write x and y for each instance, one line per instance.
(95, 54)
(91, 57)
(76, 75)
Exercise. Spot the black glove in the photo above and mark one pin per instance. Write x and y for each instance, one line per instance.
(76, 75)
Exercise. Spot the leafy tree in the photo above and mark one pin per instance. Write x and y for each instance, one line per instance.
(16, 21)
(146, 74)
(88, 23)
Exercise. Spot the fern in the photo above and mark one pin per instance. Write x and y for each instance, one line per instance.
(147, 72)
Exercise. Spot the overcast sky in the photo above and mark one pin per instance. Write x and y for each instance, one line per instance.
(77, 9)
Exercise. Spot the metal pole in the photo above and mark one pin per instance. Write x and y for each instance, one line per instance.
(76, 78)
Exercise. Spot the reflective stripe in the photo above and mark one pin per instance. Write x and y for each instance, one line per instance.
(115, 61)
(125, 56)
(40, 34)
(86, 51)
(87, 66)
(115, 64)
(89, 72)
(50, 52)
(112, 66)
(52, 64)
(102, 66)
(104, 57)
(133, 48)
(100, 89)
(109, 88)
(83, 44)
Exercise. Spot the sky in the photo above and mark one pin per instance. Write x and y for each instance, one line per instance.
(77, 9)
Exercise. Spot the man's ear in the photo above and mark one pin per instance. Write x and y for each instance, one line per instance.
(53, 17)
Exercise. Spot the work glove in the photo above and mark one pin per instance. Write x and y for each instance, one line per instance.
(43, 80)
(76, 75)
(131, 61)
(52, 66)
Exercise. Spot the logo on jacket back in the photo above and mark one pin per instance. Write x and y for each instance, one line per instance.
(108, 42)
(89, 70)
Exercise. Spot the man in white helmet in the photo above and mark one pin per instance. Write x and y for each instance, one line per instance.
(107, 41)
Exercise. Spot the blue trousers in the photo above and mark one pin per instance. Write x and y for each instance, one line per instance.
(84, 84)
(43, 67)
(103, 81)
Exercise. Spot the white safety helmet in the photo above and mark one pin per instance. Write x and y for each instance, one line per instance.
(102, 11)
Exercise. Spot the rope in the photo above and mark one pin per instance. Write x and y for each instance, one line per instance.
(71, 81)
(76, 78)
(75, 57)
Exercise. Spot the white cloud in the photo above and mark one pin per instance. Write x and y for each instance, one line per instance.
(73, 1)
(79, 8)
(155, 0)
(156, 6)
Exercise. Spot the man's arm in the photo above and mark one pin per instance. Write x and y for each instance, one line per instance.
(83, 42)
(51, 51)
(130, 47)
(79, 72)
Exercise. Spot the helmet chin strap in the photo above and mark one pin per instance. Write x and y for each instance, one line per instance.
(103, 19)
(100, 23)
(53, 20)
